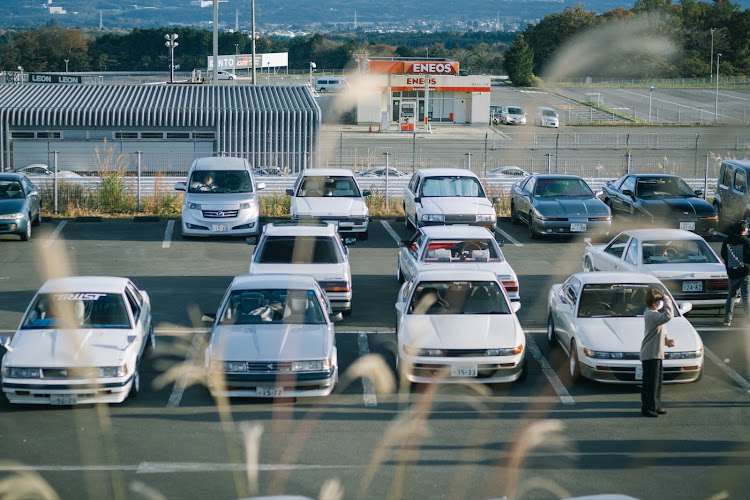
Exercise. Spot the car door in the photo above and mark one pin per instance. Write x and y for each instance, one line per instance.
(523, 198)
(413, 255)
(631, 257)
(737, 194)
(35, 199)
(610, 259)
(564, 312)
(410, 192)
(623, 202)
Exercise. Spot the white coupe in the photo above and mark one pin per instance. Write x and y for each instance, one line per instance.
(597, 318)
(456, 326)
(272, 337)
(80, 342)
(682, 260)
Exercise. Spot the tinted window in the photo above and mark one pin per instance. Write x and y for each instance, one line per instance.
(10, 189)
(220, 181)
(299, 250)
(629, 184)
(631, 255)
(617, 300)
(655, 187)
(462, 250)
(726, 177)
(551, 188)
(739, 180)
(458, 297)
(77, 310)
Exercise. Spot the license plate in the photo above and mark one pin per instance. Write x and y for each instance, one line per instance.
(687, 226)
(270, 392)
(463, 370)
(63, 399)
(577, 227)
(692, 286)
(220, 228)
(639, 372)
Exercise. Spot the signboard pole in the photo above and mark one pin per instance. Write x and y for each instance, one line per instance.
(252, 20)
(426, 101)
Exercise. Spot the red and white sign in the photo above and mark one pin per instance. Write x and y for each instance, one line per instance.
(413, 67)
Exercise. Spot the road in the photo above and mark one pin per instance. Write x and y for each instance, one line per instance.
(544, 438)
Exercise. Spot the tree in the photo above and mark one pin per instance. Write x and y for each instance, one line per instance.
(519, 62)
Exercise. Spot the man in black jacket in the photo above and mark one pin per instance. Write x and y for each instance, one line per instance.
(736, 254)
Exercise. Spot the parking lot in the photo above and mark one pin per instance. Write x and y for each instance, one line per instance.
(546, 437)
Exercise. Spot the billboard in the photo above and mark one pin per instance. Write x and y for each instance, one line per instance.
(245, 61)
(53, 78)
(428, 67)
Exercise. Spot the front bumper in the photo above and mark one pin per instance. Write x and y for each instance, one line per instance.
(701, 226)
(492, 226)
(571, 226)
(610, 372)
(344, 224)
(23, 391)
(490, 369)
(244, 224)
(13, 226)
(549, 123)
(251, 385)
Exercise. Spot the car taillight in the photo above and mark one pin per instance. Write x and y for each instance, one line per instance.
(334, 286)
(717, 285)
(510, 286)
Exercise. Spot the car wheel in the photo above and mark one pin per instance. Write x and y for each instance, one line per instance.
(587, 265)
(551, 334)
(513, 215)
(532, 232)
(26, 235)
(136, 386)
(574, 366)
(150, 340)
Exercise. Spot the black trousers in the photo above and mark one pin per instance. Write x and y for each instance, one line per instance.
(653, 377)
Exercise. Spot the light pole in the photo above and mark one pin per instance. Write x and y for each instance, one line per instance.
(268, 73)
(716, 105)
(20, 68)
(252, 19)
(171, 44)
(650, 91)
(711, 71)
(312, 68)
(66, 64)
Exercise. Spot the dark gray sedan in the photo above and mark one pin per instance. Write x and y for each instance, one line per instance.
(558, 204)
(20, 205)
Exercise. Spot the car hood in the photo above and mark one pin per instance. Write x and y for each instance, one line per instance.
(219, 200)
(330, 206)
(456, 205)
(271, 342)
(69, 348)
(11, 206)
(317, 271)
(677, 206)
(687, 270)
(568, 206)
(461, 331)
(626, 334)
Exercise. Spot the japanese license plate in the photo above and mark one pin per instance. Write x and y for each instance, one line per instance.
(639, 372)
(577, 227)
(687, 226)
(220, 228)
(463, 370)
(692, 286)
(63, 399)
(270, 392)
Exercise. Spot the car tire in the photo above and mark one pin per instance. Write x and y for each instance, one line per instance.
(346, 312)
(587, 265)
(135, 387)
(574, 367)
(513, 215)
(551, 334)
(26, 235)
(532, 232)
(150, 340)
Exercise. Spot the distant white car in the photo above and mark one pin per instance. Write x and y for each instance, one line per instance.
(682, 260)
(80, 342)
(272, 337)
(512, 115)
(509, 172)
(547, 117)
(225, 75)
(380, 172)
(443, 196)
(40, 171)
(456, 247)
(597, 318)
(315, 249)
(458, 326)
(331, 195)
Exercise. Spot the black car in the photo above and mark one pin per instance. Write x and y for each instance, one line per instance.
(660, 200)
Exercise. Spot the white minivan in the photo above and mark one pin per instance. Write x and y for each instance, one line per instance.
(220, 198)
(331, 84)
(547, 117)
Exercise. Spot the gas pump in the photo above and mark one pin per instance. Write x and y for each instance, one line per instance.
(407, 115)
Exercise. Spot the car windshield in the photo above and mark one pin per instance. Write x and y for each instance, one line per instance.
(10, 189)
(272, 306)
(451, 186)
(616, 300)
(220, 181)
(515, 111)
(549, 112)
(337, 186)
(461, 250)
(458, 297)
(657, 187)
(688, 251)
(555, 188)
(299, 250)
(77, 310)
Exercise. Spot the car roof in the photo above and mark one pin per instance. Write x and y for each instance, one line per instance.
(615, 277)
(74, 284)
(557, 176)
(546, 107)
(256, 281)
(328, 171)
(220, 163)
(454, 231)
(438, 172)
(739, 163)
(662, 233)
(287, 229)
(456, 275)
(12, 176)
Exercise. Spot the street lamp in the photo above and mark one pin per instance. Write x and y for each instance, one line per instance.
(268, 73)
(711, 71)
(650, 91)
(312, 68)
(171, 44)
(66, 64)
(20, 68)
(716, 105)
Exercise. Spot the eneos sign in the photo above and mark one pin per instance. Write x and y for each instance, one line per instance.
(432, 68)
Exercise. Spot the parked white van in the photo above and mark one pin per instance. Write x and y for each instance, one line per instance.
(220, 198)
(331, 84)
(547, 117)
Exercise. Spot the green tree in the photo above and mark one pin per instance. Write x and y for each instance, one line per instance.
(519, 62)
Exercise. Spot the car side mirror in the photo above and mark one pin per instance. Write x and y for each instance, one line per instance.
(251, 240)
(609, 183)
(180, 186)
(417, 199)
(401, 306)
(685, 307)
(33, 192)
(628, 192)
(289, 192)
(516, 306)
(698, 192)
(260, 186)
(208, 318)
(5, 342)
(336, 317)
(366, 192)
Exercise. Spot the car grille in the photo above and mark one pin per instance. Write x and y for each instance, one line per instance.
(464, 353)
(461, 218)
(269, 366)
(69, 373)
(219, 214)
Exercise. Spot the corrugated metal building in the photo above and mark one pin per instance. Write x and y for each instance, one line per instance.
(90, 126)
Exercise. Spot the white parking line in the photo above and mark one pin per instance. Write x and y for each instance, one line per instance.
(52, 237)
(390, 230)
(371, 400)
(557, 384)
(509, 237)
(732, 374)
(168, 235)
(169, 467)
(181, 384)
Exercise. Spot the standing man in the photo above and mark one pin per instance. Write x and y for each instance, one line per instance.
(658, 313)
(736, 254)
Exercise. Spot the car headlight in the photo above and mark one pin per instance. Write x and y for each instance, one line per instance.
(432, 217)
(194, 206)
(316, 365)
(416, 351)
(536, 214)
(113, 371)
(683, 354)
(609, 355)
(13, 372)
(510, 351)
(246, 205)
(485, 217)
(12, 216)
(228, 366)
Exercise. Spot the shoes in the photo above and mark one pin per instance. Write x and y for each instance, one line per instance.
(649, 414)
(661, 411)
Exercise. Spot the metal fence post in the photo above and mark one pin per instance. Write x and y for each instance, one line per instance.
(138, 181)
(557, 149)
(387, 203)
(468, 161)
(697, 136)
(486, 136)
(55, 181)
(549, 163)
(705, 177)
(627, 162)
(413, 151)
(341, 151)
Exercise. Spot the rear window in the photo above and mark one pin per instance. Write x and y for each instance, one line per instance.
(462, 250)
(269, 306)
(299, 250)
(337, 186)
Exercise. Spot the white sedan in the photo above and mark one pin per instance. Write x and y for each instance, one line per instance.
(80, 342)
(459, 327)
(597, 318)
(273, 337)
(456, 247)
(682, 260)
